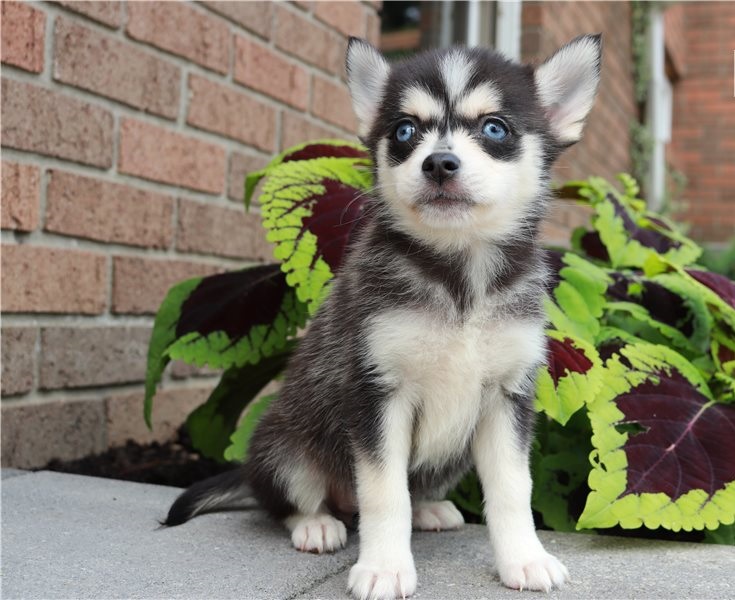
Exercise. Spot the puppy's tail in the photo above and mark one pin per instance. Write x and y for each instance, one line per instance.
(226, 491)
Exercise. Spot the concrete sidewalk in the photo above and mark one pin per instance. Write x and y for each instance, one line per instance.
(66, 536)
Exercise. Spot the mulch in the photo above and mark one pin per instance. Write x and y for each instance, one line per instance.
(173, 463)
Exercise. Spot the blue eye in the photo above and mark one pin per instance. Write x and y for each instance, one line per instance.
(495, 129)
(405, 131)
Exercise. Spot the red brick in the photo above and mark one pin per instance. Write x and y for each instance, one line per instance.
(555, 234)
(221, 109)
(171, 407)
(115, 69)
(332, 103)
(255, 16)
(308, 41)
(74, 357)
(108, 12)
(181, 29)
(259, 68)
(109, 212)
(180, 370)
(240, 166)
(372, 33)
(223, 231)
(35, 433)
(703, 121)
(18, 356)
(47, 122)
(345, 17)
(21, 189)
(141, 284)
(158, 154)
(23, 31)
(52, 280)
(676, 41)
(532, 14)
(296, 129)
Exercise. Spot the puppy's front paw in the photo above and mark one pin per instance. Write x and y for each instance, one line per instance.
(382, 582)
(540, 572)
(436, 516)
(317, 533)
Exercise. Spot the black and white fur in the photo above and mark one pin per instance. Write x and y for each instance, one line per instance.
(421, 362)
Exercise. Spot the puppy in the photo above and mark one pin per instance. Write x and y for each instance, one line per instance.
(421, 362)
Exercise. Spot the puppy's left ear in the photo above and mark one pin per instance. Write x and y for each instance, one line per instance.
(367, 74)
(567, 83)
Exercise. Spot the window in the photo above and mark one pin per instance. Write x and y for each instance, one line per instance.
(411, 26)
(658, 112)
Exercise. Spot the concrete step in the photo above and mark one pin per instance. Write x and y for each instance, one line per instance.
(67, 536)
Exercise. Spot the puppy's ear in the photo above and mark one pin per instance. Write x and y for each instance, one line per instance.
(367, 73)
(567, 84)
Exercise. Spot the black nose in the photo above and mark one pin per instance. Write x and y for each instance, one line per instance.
(440, 166)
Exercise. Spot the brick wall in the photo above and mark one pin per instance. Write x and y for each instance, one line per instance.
(127, 129)
(703, 135)
(604, 150)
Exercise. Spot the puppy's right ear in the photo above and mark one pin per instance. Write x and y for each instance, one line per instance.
(367, 74)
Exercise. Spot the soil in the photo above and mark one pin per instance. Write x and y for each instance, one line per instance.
(173, 463)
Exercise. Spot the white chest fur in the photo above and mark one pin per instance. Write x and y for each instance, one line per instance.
(442, 368)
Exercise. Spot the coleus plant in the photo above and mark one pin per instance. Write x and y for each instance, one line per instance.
(637, 402)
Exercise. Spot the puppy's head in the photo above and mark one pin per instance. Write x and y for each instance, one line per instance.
(463, 138)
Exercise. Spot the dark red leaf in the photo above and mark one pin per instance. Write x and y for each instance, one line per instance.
(553, 259)
(683, 445)
(662, 304)
(610, 347)
(317, 150)
(337, 215)
(719, 284)
(658, 222)
(565, 358)
(593, 247)
(647, 237)
(234, 302)
(724, 354)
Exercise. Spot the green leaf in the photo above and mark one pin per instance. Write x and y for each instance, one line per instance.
(580, 297)
(724, 534)
(237, 318)
(560, 468)
(702, 320)
(630, 234)
(655, 374)
(211, 424)
(240, 439)
(571, 377)
(642, 321)
(303, 151)
(251, 182)
(162, 336)
(468, 495)
(310, 209)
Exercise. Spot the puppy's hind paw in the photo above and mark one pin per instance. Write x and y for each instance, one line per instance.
(540, 573)
(317, 533)
(368, 582)
(436, 516)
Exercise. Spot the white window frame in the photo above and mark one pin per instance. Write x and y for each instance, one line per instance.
(508, 28)
(658, 111)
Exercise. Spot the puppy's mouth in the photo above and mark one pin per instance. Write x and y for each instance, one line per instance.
(442, 198)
